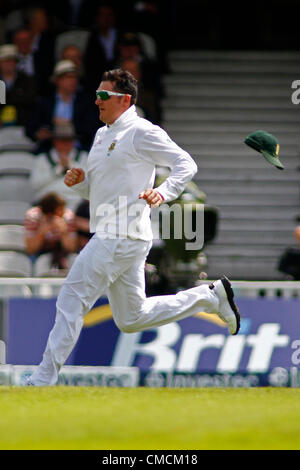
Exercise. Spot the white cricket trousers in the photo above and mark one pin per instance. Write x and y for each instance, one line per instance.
(115, 268)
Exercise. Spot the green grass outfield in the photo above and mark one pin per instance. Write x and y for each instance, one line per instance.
(66, 417)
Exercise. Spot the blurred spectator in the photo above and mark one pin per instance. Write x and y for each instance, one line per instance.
(50, 168)
(148, 103)
(74, 53)
(101, 48)
(35, 57)
(130, 48)
(151, 17)
(73, 14)
(68, 103)
(23, 41)
(82, 223)
(49, 228)
(42, 46)
(20, 89)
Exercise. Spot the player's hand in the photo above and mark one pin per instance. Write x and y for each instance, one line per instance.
(152, 197)
(74, 176)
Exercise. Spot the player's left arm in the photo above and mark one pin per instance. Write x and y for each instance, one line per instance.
(155, 146)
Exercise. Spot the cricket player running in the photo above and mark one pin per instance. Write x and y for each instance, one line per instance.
(119, 185)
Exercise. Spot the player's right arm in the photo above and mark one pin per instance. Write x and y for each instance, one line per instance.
(76, 179)
(74, 176)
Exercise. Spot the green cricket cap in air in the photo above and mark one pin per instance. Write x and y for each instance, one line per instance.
(266, 144)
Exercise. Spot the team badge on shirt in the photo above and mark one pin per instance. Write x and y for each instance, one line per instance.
(111, 147)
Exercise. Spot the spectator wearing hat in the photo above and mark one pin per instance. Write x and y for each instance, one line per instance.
(75, 54)
(50, 168)
(20, 89)
(68, 103)
(49, 228)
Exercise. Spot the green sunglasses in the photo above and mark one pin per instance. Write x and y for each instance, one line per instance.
(105, 95)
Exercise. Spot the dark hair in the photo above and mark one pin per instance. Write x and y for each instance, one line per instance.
(50, 202)
(124, 82)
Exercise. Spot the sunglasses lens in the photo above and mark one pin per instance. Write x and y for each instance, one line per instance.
(103, 95)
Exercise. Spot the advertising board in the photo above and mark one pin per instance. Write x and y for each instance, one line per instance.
(196, 351)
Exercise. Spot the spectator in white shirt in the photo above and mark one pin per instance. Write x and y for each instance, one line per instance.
(50, 167)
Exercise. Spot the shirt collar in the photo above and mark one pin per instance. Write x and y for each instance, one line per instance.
(129, 114)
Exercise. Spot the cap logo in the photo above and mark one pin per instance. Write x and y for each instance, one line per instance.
(277, 149)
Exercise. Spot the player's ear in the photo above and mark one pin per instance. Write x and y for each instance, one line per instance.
(128, 100)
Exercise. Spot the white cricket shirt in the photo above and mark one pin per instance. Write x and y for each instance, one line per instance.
(121, 164)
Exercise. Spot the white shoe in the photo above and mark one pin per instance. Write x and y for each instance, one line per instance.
(228, 310)
(28, 382)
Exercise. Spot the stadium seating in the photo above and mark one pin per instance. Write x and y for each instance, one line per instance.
(15, 264)
(13, 212)
(214, 99)
(14, 138)
(15, 188)
(15, 169)
(16, 163)
(42, 266)
(12, 238)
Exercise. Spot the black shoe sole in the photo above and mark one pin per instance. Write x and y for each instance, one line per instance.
(230, 296)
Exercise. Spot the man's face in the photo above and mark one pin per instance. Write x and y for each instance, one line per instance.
(63, 146)
(8, 66)
(67, 83)
(23, 41)
(105, 18)
(74, 54)
(111, 109)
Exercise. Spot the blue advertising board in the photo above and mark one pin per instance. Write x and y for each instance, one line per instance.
(196, 351)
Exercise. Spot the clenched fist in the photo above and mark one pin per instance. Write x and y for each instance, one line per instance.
(74, 176)
(153, 197)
